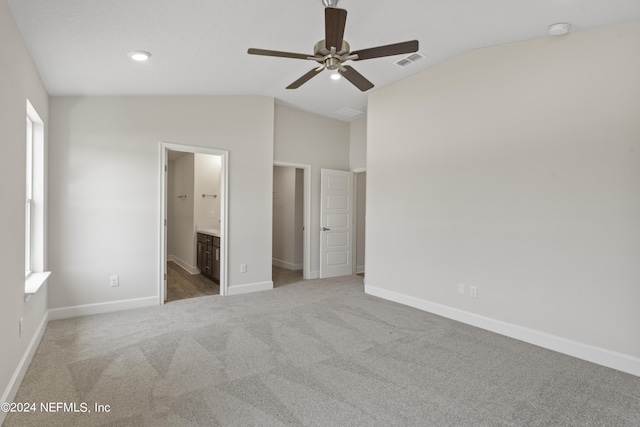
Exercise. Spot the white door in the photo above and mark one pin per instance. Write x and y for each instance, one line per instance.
(336, 218)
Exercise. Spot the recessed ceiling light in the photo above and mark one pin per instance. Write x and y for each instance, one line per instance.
(139, 55)
(559, 29)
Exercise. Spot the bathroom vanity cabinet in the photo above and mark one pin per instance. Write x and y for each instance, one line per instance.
(209, 255)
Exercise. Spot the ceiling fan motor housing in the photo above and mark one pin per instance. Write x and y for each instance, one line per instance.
(331, 59)
(330, 3)
(320, 49)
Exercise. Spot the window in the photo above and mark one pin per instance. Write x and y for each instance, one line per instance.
(29, 193)
(34, 220)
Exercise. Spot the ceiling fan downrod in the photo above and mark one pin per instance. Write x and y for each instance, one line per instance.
(330, 3)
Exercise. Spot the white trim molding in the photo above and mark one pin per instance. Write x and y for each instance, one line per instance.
(103, 307)
(184, 265)
(600, 356)
(250, 287)
(286, 264)
(14, 384)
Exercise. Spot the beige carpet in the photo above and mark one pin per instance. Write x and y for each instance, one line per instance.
(319, 352)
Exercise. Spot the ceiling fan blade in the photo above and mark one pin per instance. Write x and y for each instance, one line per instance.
(277, 53)
(388, 50)
(356, 78)
(302, 80)
(334, 21)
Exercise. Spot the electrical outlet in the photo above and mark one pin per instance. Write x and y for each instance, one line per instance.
(461, 288)
(243, 268)
(473, 292)
(20, 329)
(114, 281)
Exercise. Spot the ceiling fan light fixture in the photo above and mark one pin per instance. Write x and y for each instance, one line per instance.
(335, 76)
(139, 55)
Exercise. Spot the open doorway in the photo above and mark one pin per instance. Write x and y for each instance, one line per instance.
(194, 222)
(291, 217)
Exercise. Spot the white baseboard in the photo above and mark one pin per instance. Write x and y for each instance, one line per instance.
(14, 384)
(359, 269)
(184, 265)
(285, 264)
(250, 287)
(314, 274)
(600, 356)
(103, 307)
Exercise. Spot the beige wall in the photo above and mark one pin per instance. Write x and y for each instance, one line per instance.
(516, 169)
(19, 81)
(180, 211)
(358, 144)
(105, 188)
(321, 142)
(206, 174)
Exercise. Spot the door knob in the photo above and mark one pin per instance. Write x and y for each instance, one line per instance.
(326, 229)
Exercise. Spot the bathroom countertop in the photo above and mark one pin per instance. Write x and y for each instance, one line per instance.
(210, 231)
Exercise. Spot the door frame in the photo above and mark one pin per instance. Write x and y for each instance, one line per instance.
(306, 234)
(224, 210)
(356, 172)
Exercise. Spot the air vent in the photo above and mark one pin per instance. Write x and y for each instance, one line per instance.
(410, 59)
(348, 112)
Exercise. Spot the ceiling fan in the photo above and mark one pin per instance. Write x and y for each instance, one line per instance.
(332, 52)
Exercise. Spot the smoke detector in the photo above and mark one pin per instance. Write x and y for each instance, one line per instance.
(559, 29)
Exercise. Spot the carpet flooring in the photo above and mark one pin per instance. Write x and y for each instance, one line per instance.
(314, 353)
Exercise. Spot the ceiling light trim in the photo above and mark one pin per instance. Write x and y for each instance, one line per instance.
(139, 55)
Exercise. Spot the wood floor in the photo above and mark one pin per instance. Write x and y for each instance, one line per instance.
(282, 276)
(182, 285)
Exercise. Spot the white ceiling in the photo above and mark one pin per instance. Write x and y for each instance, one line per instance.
(199, 46)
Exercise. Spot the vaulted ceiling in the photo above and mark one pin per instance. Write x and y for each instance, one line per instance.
(199, 47)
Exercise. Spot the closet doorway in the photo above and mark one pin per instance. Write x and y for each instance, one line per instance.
(291, 218)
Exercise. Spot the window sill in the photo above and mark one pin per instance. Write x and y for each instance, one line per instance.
(34, 282)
